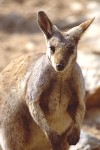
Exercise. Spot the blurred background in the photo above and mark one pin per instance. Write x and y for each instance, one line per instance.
(20, 34)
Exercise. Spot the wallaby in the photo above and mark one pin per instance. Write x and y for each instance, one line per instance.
(42, 96)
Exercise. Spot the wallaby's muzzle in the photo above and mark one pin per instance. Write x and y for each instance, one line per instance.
(60, 67)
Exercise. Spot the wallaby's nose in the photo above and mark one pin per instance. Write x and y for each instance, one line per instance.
(59, 67)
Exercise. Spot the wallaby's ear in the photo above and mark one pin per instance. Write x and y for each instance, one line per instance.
(77, 31)
(45, 24)
(86, 24)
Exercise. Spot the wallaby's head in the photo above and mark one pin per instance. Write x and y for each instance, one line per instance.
(61, 47)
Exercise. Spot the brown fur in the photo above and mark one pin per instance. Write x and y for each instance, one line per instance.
(42, 107)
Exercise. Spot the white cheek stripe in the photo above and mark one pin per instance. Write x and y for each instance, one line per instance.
(52, 61)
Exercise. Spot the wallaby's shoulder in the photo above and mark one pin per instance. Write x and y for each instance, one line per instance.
(20, 65)
(78, 79)
(16, 74)
(77, 72)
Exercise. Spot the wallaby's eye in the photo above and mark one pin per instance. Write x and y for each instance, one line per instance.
(71, 49)
(52, 49)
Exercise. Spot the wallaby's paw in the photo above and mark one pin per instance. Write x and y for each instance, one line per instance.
(54, 138)
(74, 137)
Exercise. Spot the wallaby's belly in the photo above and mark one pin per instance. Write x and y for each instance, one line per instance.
(61, 123)
(54, 103)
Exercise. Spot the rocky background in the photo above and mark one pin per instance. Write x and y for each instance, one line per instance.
(20, 34)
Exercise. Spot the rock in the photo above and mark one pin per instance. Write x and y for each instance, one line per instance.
(93, 117)
(90, 64)
(91, 123)
(87, 142)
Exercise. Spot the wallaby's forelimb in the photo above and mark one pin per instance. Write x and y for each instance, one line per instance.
(76, 108)
(40, 119)
(74, 137)
(38, 116)
(33, 95)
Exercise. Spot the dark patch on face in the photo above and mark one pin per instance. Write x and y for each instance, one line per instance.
(52, 48)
